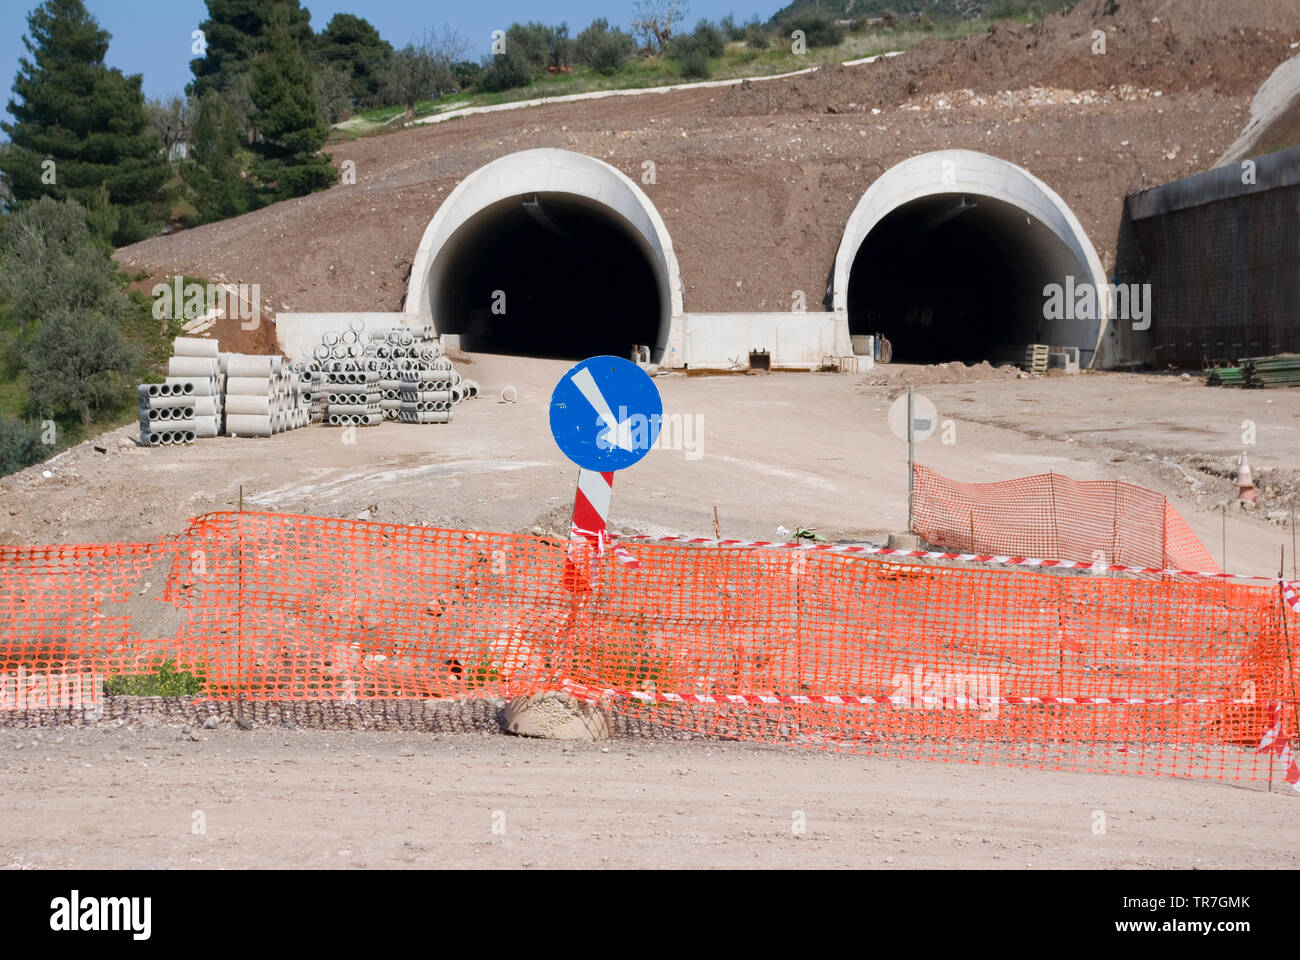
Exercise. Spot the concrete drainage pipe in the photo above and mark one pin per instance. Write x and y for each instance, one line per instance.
(248, 425)
(245, 404)
(248, 386)
(198, 386)
(253, 365)
(195, 347)
(192, 367)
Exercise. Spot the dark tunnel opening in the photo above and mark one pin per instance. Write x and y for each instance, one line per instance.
(953, 277)
(549, 275)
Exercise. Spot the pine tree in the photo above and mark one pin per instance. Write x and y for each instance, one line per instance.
(235, 33)
(353, 42)
(213, 171)
(291, 131)
(70, 108)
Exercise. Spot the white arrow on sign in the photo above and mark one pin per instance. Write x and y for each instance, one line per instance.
(618, 434)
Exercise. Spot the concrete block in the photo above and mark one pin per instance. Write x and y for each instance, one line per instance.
(904, 541)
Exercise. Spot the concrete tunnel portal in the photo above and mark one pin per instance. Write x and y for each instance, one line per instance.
(948, 253)
(551, 253)
(548, 253)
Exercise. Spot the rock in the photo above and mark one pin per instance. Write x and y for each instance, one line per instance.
(1278, 516)
(904, 541)
(243, 724)
(555, 716)
(211, 722)
(186, 729)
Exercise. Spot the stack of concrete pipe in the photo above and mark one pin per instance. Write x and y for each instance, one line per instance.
(167, 414)
(186, 406)
(394, 373)
(264, 396)
(311, 389)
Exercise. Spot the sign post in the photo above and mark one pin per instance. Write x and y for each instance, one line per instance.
(912, 418)
(605, 416)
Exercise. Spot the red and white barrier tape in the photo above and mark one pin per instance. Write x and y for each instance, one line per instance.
(1290, 589)
(585, 692)
(1279, 744)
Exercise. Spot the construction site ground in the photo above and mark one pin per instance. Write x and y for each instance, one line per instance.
(768, 450)
(132, 796)
(755, 184)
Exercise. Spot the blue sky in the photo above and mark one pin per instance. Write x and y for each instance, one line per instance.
(152, 37)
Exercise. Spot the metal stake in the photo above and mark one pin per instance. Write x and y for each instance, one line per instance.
(911, 452)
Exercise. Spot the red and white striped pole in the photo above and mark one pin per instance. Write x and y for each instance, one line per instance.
(589, 531)
(591, 508)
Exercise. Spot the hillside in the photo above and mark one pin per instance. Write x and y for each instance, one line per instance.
(755, 182)
(936, 10)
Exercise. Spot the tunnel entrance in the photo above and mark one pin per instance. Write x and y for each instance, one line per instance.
(548, 275)
(956, 277)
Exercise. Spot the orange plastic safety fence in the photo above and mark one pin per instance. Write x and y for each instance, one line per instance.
(1053, 517)
(963, 663)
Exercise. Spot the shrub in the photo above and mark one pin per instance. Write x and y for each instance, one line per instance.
(711, 37)
(164, 681)
(79, 364)
(20, 445)
(506, 71)
(467, 73)
(603, 49)
(820, 29)
(691, 55)
(756, 38)
(538, 47)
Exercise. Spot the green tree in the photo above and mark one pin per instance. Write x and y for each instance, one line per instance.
(353, 43)
(69, 313)
(49, 262)
(333, 86)
(425, 68)
(80, 127)
(712, 37)
(290, 129)
(603, 49)
(507, 71)
(235, 33)
(79, 364)
(20, 444)
(691, 51)
(821, 29)
(213, 173)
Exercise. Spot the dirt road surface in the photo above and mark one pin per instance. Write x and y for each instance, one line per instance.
(776, 450)
(133, 796)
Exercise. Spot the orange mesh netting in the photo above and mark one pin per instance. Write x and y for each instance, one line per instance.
(954, 662)
(1056, 518)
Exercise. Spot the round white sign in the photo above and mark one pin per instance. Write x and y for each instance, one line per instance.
(925, 418)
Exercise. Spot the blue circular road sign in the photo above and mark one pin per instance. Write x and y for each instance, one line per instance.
(606, 413)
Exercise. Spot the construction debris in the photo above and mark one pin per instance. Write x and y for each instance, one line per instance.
(1279, 370)
(1036, 355)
